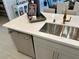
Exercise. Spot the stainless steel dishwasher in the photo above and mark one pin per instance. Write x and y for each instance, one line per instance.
(23, 42)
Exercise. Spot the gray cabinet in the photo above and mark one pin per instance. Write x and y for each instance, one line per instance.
(66, 55)
(23, 42)
(42, 51)
(46, 49)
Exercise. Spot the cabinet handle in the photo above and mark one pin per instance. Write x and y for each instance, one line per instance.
(10, 31)
(58, 56)
(55, 54)
(28, 38)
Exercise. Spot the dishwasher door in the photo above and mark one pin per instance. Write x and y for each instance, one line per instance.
(23, 43)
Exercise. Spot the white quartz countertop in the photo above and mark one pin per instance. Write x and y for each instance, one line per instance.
(22, 24)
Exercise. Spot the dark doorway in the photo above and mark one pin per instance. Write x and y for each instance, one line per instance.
(2, 9)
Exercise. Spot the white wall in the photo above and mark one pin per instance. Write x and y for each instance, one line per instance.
(9, 8)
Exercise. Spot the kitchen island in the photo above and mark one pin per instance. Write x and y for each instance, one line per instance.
(47, 46)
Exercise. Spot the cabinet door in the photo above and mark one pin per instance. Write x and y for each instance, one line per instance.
(56, 53)
(42, 50)
(23, 42)
(46, 50)
(66, 55)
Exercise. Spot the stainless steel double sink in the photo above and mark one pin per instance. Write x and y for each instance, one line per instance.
(61, 30)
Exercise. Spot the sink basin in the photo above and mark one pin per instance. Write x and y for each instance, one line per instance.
(61, 30)
(52, 29)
